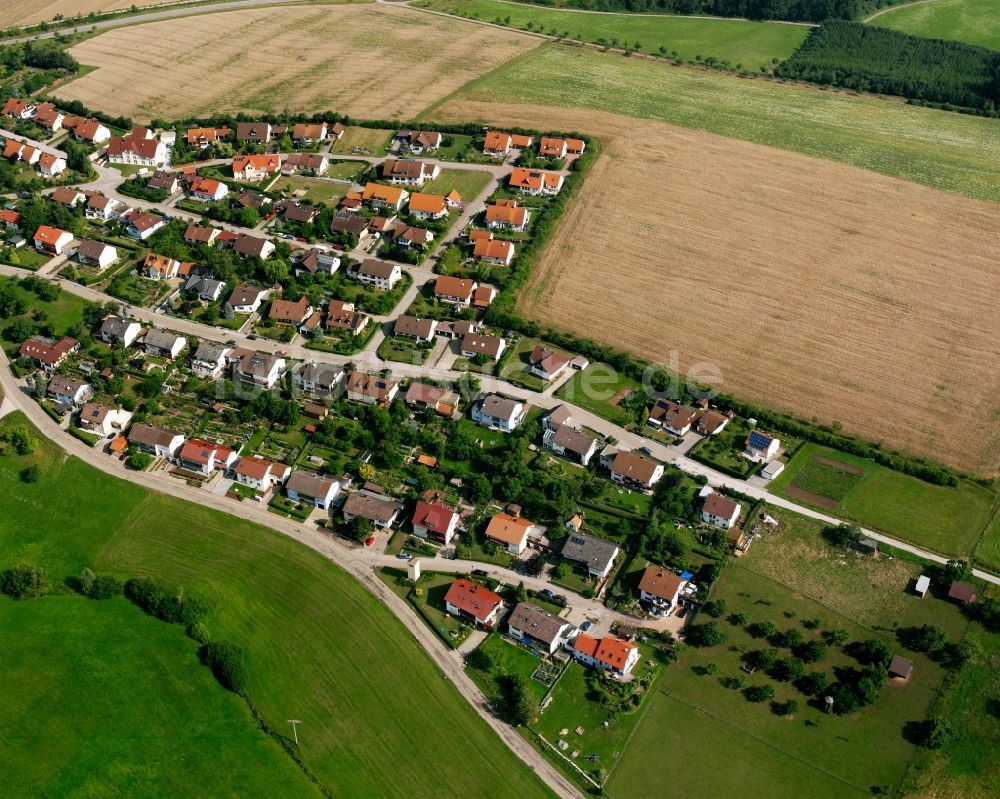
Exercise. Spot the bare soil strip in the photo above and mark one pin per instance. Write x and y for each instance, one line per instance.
(818, 500)
(838, 465)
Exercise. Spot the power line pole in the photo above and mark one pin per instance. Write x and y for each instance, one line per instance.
(295, 729)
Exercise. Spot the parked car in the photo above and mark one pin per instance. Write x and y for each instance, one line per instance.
(547, 592)
(404, 556)
(480, 572)
(646, 451)
(585, 626)
(370, 541)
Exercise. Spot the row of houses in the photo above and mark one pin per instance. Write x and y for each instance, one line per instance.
(46, 115)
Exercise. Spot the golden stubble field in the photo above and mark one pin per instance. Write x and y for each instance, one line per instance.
(373, 61)
(814, 287)
(28, 12)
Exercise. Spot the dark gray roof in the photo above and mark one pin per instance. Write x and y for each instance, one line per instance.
(210, 351)
(371, 507)
(539, 624)
(161, 339)
(310, 485)
(595, 552)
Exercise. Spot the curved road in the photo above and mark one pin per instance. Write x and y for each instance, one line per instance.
(890, 9)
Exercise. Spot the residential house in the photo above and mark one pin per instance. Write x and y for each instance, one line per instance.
(51, 240)
(380, 511)
(15, 108)
(662, 590)
(209, 360)
(595, 555)
(260, 474)
(50, 165)
(310, 163)
(204, 457)
(19, 151)
(509, 532)
(138, 148)
(342, 315)
(252, 199)
(68, 197)
(11, 219)
(165, 180)
(292, 313)
(483, 297)
(413, 327)
(382, 275)
(96, 253)
(160, 267)
(371, 389)
(317, 261)
(351, 224)
(69, 390)
(251, 168)
(552, 147)
(635, 472)
(253, 132)
(762, 447)
(507, 215)
(539, 629)
(499, 413)
(156, 441)
(720, 511)
(142, 224)
(103, 420)
(87, 130)
(434, 521)
(609, 654)
(312, 489)
(497, 144)
(118, 330)
(494, 251)
(408, 172)
(474, 345)
(711, 423)
(203, 137)
(380, 196)
(259, 369)
(102, 208)
(424, 395)
(473, 604)
(420, 140)
(572, 444)
(205, 288)
(672, 417)
(299, 212)
(318, 378)
(427, 206)
(305, 133)
(960, 592)
(253, 247)
(163, 343)
(208, 189)
(458, 329)
(547, 364)
(536, 181)
(407, 236)
(454, 290)
(47, 354)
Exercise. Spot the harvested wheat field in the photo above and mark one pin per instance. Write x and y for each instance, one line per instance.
(28, 12)
(374, 61)
(815, 287)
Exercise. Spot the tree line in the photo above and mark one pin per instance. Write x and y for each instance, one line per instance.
(865, 58)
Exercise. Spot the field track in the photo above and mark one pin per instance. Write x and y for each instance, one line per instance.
(815, 287)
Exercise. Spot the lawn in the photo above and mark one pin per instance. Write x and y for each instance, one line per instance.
(63, 313)
(137, 290)
(469, 183)
(109, 700)
(988, 551)
(320, 648)
(515, 368)
(362, 141)
(723, 451)
(739, 42)
(970, 21)
(26, 257)
(598, 389)
(429, 603)
(404, 350)
(508, 659)
(836, 748)
(955, 152)
(316, 190)
(946, 520)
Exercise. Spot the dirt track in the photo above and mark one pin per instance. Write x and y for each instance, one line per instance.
(815, 287)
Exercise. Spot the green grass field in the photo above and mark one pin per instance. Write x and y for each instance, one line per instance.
(988, 552)
(105, 700)
(740, 42)
(467, 182)
(320, 648)
(949, 151)
(970, 21)
(830, 753)
(317, 191)
(946, 520)
(598, 388)
(372, 141)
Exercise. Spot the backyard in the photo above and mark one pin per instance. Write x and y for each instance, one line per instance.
(600, 389)
(362, 141)
(317, 190)
(469, 183)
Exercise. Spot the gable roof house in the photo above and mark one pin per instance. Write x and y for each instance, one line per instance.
(494, 251)
(88, 130)
(142, 224)
(539, 629)
(138, 148)
(552, 148)
(761, 447)
(253, 132)
(11, 219)
(963, 593)
(573, 444)
(119, 330)
(208, 189)
(427, 206)
(371, 389)
(711, 423)
(305, 133)
(316, 260)
(631, 470)
(472, 603)
(260, 369)
(509, 532)
(46, 353)
(206, 288)
(424, 395)
(382, 275)
(497, 144)
(51, 240)
(69, 390)
(260, 473)
(474, 344)
(672, 417)
(547, 364)
(48, 116)
(507, 215)
(67, 196)
(209, 359)
(293, 313)
(50, 165)
(100, 207)
(252, 168)
(434, 521)
(342, 315)
(311, 163)
(454, 290)
(408, 172)
(203, 137)
(204, 458)
(379, 196)
(156, 441)
(16, 108)
(720, 511)
(312, 489)
(253, 247)
(609, 653)
(318, 378)
(536, 181)
(162, 343)
(594, 554)
(299, 212)
(407, 236)
(166, 180)
(160, 267)
(499, 413)
(661, 589)
(103, 419)
(380, 511)
(420, 140)
(412, 327)
(96, 253)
